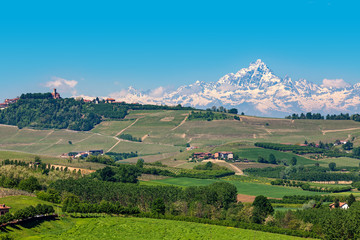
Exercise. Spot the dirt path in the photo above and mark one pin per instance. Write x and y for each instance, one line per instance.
(338, 130)
(237, 170)
(47, 135)
(118, 139)
(84, 139)
(182, 122)
(144, 137)
(127, 127)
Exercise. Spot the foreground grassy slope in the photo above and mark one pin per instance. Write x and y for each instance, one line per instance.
(134, 228)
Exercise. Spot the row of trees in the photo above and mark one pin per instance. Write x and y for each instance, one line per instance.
(289, 147)
(129, 137)
(26, 213)
(308, 187)
(302, 173)
(318, 116)
(207, 115)
(224, 110)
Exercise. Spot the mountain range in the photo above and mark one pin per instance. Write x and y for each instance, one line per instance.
(256, 90)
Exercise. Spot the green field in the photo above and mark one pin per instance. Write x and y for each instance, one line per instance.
(133, 228)
(247, 188)
(341, 162)
(254, 153)
(18, 202)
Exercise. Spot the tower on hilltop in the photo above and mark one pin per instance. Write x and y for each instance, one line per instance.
(55, 94)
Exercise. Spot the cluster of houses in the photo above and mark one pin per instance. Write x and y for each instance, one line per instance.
(7, 102)
(217, 155)
(83, 154)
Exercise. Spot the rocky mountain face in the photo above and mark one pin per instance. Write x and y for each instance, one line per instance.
(255, 90)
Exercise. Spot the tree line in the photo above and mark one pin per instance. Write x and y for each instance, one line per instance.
(27, 212)
(318, 116)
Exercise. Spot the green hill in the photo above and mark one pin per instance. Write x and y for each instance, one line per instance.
(132, 228)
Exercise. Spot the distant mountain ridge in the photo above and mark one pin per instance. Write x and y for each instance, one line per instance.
(255, 90)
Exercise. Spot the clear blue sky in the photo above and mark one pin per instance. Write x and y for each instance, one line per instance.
(109, 45)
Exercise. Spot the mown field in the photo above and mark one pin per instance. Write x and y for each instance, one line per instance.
(132, 228)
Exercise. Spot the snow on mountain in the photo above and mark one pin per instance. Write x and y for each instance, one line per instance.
(255, 90)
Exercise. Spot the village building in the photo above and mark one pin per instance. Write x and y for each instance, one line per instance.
(4, 209)
(13, 100)
(202, 155)
(224, 155)
(342, 205)
(110, 100)
(3, 105)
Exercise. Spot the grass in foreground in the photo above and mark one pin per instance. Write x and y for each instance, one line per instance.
(134, 228)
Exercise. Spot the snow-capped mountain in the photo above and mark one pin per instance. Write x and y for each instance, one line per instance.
(256, 90)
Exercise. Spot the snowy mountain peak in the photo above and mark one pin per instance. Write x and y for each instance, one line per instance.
(256, 90)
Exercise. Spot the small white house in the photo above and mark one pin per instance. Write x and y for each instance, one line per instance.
(342, 205)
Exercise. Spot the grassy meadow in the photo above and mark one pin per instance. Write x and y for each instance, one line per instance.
(132, 228)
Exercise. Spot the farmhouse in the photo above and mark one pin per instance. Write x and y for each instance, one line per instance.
(342, 205)
(4, 209)
(224, 155)
(202, 155)
(110, 100)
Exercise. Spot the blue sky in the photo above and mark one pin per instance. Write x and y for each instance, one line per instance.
(98, 48)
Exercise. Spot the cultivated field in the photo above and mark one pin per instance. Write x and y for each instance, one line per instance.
(245, 188)
(165, 135)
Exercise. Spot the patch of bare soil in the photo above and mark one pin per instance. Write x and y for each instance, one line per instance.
(167, 119)
(150, 177)
(245, 198)
(83, 170)
(243, 165)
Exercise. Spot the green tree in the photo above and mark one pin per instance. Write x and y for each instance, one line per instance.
(107, 174)
(31, 184)
(262, 208)
(140, 163)
(233, 111)
(208, 166)
(127, 174)
(261, 159)
(272, 159)
(356, 151)
(332, 166)
(293, 161)
(351, 199)
(348, 145)
(158, 206)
